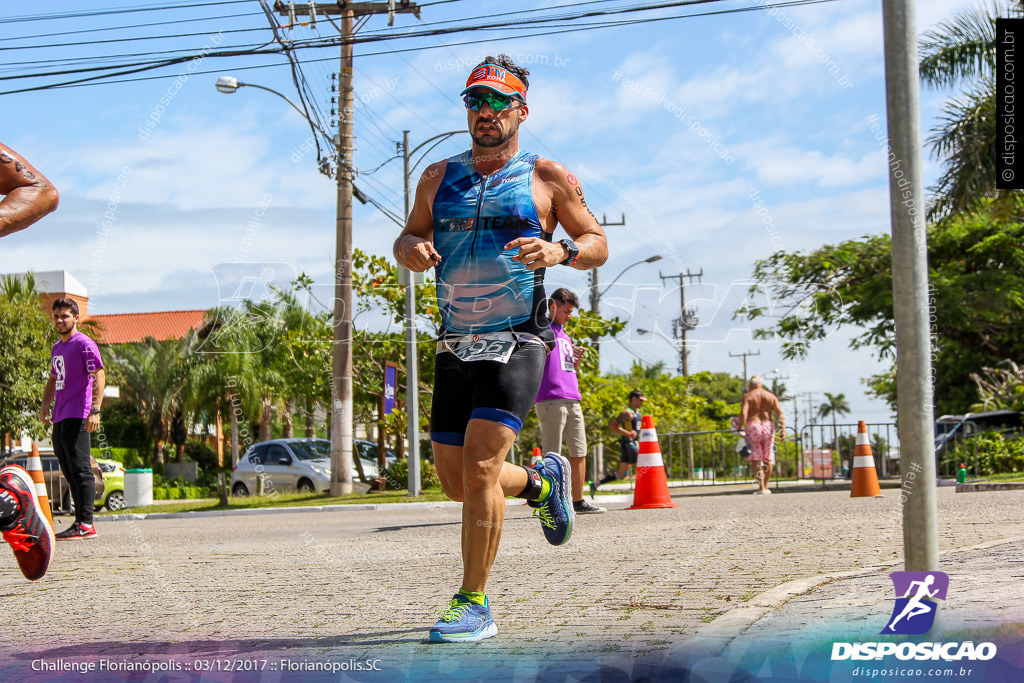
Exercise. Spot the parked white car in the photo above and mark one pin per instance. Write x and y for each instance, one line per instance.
(302, 465)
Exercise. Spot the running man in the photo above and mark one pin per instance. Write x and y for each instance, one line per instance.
(915, 605)
(485, 220)
(27, 197)
(627, 425)
(760, 418)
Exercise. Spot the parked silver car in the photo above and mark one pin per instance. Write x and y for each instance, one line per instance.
(302, 465)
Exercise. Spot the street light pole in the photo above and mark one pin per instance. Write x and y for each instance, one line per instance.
(595, 294)
(341, 349)
(412, 359)
(412, 374)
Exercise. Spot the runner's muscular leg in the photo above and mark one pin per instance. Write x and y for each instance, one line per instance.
(485, 481)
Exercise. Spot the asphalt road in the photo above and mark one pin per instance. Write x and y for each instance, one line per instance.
(326, 588)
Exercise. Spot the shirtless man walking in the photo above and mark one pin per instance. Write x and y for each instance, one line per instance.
(760, 417)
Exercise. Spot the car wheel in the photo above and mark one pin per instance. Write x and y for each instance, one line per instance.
(239, 490)
(305, 486)
(116, 501)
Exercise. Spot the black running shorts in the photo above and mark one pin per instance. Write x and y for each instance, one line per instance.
(630, 451)
(487, 390)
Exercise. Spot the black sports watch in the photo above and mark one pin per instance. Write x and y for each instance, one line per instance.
(574, 251)
(95, 411)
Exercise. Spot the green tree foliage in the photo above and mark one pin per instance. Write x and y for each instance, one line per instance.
(1000, 388)
(26, 336)
(721, 387)
(986, 454)
(976, 270)
(153, 375)
(962, 52)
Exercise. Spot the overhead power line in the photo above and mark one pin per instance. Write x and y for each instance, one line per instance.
(81, 14)
(289, 47)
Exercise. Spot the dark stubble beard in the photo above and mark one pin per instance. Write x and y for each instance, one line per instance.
(492, 141)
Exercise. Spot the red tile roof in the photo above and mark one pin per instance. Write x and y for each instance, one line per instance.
(126, 328)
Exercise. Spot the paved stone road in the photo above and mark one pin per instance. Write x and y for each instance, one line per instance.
(331, 586)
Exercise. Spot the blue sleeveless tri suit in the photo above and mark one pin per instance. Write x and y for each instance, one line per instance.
(481, 290)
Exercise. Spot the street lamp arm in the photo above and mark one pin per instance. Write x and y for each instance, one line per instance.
(302, 113)
(431, 139)
(439, 139)
(652, 259)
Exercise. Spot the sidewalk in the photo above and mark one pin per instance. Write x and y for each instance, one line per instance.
(800, 621)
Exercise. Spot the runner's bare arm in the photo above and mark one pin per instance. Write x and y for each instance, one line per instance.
(616, 424)
(413, 249)
(28, 194)
(780, 426)
(559, 199)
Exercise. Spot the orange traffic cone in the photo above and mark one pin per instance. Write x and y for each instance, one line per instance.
(865, 478)
(651, 482)
(34, 467)
(537, 457)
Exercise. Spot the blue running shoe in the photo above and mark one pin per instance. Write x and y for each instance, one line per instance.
(555, 512)
(464, 622)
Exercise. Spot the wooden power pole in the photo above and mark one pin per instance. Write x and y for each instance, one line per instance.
(342, 433)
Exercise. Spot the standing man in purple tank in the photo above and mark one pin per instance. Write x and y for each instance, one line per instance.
(75, 390)
(484, 219)
(558, 400)
(27, 197)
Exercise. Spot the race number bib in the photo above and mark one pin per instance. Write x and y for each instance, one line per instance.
(497, 346)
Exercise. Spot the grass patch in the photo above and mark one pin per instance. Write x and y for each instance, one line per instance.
(1004, 476)
(286, 500)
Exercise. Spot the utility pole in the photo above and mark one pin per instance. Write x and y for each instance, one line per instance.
(810, 406)
(687, 320)
(595, 294)
(342, 434)
(746, 377)
(910, 283)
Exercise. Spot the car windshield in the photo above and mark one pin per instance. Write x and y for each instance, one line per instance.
(311, 450)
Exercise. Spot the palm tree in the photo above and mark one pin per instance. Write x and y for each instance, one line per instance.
(223, 377)
(152, 372)
(835, 404)
(962, 52)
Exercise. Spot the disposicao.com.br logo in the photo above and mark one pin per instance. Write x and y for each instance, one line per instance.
(913, 614)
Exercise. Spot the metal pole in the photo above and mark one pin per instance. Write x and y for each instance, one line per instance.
(910, 283)
(412, 371)
(683, 368)
(341, 366)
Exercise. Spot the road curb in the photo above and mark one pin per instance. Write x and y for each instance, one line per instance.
(714, 638)
(358, 507)
(990, 486)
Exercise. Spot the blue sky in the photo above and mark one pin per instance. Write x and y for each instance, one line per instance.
(720, 139)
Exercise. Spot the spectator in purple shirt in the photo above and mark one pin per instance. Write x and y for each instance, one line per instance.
(558, 400)
(75, 389)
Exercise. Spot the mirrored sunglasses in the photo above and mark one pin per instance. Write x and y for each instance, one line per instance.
(495, 101)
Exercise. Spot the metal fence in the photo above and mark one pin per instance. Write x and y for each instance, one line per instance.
(713, 457)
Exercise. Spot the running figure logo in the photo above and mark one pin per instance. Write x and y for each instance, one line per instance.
(917, 592)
